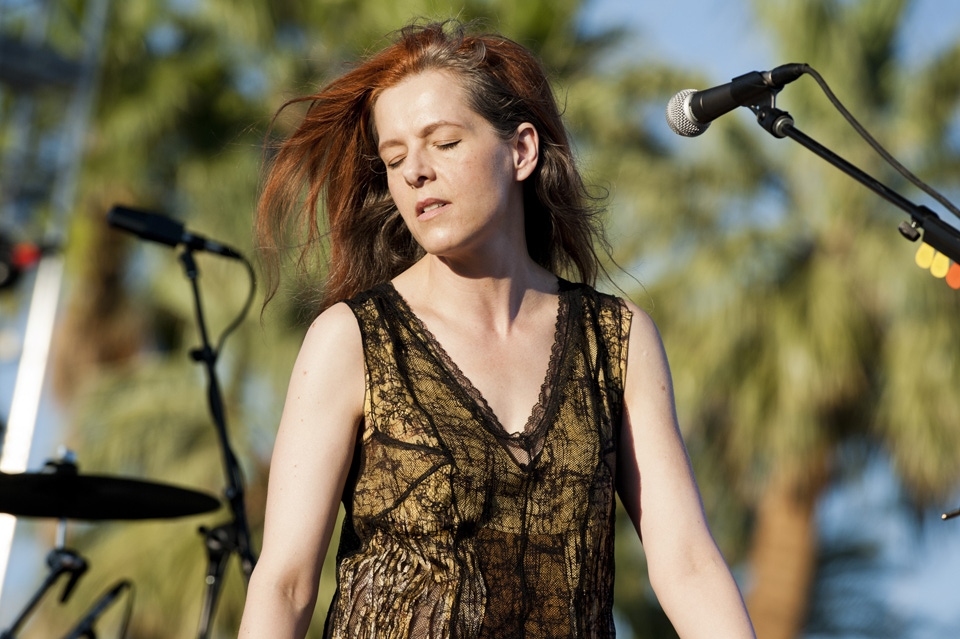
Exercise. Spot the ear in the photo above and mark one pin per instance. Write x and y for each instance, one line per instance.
(526, 151)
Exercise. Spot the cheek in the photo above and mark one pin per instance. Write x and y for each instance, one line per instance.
(490, 178)
(398, 189)
(404, 198)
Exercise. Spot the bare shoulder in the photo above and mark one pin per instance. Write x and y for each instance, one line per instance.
(330, 367)
(648, 385)
(644, 334)
(334, 333)
(338, 320)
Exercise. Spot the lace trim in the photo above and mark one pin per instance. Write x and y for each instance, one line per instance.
(529, 440)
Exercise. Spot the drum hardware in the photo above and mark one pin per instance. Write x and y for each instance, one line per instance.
(60, 492)
(84, 627)
(61, 561)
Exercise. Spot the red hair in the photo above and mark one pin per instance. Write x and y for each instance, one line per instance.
(326, 180)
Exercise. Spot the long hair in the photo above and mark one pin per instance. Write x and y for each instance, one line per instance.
(326, 182)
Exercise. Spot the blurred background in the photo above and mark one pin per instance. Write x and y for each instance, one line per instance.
(815, 364)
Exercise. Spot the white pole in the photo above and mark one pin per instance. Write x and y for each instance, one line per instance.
(49, 277)
(29, 386)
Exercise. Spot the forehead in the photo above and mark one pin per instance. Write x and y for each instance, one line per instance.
(420, 100)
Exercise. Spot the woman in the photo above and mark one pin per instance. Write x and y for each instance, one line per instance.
(453, 206)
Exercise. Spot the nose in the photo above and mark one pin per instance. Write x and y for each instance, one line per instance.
(417, 170)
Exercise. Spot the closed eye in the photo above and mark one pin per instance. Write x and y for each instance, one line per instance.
(443, 146)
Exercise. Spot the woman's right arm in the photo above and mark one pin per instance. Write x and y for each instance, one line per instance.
(311, 459)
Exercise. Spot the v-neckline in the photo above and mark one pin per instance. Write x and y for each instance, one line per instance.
(536, 422)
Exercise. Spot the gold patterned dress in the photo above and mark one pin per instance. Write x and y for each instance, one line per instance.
(454, 527)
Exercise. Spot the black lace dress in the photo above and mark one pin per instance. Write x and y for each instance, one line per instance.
(455, 528)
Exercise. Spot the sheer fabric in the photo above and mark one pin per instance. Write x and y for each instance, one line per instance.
(456, 528)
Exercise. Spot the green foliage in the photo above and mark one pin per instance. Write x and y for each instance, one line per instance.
(187, 93)
(791, 311)
(795, 319)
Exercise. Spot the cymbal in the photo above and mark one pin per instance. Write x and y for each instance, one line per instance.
(70, 495)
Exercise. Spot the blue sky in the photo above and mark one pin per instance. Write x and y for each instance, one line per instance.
(722, 38)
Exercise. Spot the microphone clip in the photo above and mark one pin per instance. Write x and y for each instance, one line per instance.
(772, 119)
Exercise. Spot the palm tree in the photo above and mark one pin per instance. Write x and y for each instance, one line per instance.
(797, 324)
(185, 102)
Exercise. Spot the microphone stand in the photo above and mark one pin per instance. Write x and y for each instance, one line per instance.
(938, 234)
(233, 536)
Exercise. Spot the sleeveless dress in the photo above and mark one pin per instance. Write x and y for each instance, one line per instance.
(455, 528)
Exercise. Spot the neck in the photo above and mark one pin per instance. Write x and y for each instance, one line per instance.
(492, 296)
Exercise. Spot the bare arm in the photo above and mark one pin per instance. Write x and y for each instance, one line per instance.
(658, 490)
(311, 459)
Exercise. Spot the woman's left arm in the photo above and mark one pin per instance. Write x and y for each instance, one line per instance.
(658, 490)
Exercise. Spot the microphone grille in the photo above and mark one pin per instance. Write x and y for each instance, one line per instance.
(679, 118)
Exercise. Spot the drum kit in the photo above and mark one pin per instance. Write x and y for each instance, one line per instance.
(59, 491)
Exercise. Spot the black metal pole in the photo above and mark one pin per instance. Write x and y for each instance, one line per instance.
(938, 234)
(233, 536)
(60, 561)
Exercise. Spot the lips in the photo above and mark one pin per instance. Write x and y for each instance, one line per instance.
(431, 205)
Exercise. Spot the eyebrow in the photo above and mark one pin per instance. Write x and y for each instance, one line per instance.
(424, 132)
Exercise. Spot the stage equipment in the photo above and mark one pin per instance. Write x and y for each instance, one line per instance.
(84, 628)
(59, 491)
(232, 537)
(758, 91)
(689, 113)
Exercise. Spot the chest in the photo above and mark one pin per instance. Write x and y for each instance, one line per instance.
(507, 375)
(435, 457)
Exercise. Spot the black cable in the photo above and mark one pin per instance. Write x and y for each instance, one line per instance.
(904, 171)
(246, 306)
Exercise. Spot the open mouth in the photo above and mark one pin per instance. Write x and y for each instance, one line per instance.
(429, 206)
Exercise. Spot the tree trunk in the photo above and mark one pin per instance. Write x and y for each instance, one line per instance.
(783, 557)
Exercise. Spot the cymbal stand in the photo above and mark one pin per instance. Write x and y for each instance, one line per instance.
(233, 536)
(61, 561)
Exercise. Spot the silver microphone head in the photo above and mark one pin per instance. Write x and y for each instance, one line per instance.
(680, 118)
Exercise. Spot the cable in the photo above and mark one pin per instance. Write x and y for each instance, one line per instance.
(929, 190)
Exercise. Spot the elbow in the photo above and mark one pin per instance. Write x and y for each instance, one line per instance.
(681, 564)
(300, 598)
(295, 594)
(298, 594)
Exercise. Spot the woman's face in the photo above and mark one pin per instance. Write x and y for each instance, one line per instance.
(455, 181)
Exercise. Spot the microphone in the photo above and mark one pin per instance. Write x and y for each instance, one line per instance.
(85, 627)
(165, 230)
(690, 112)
